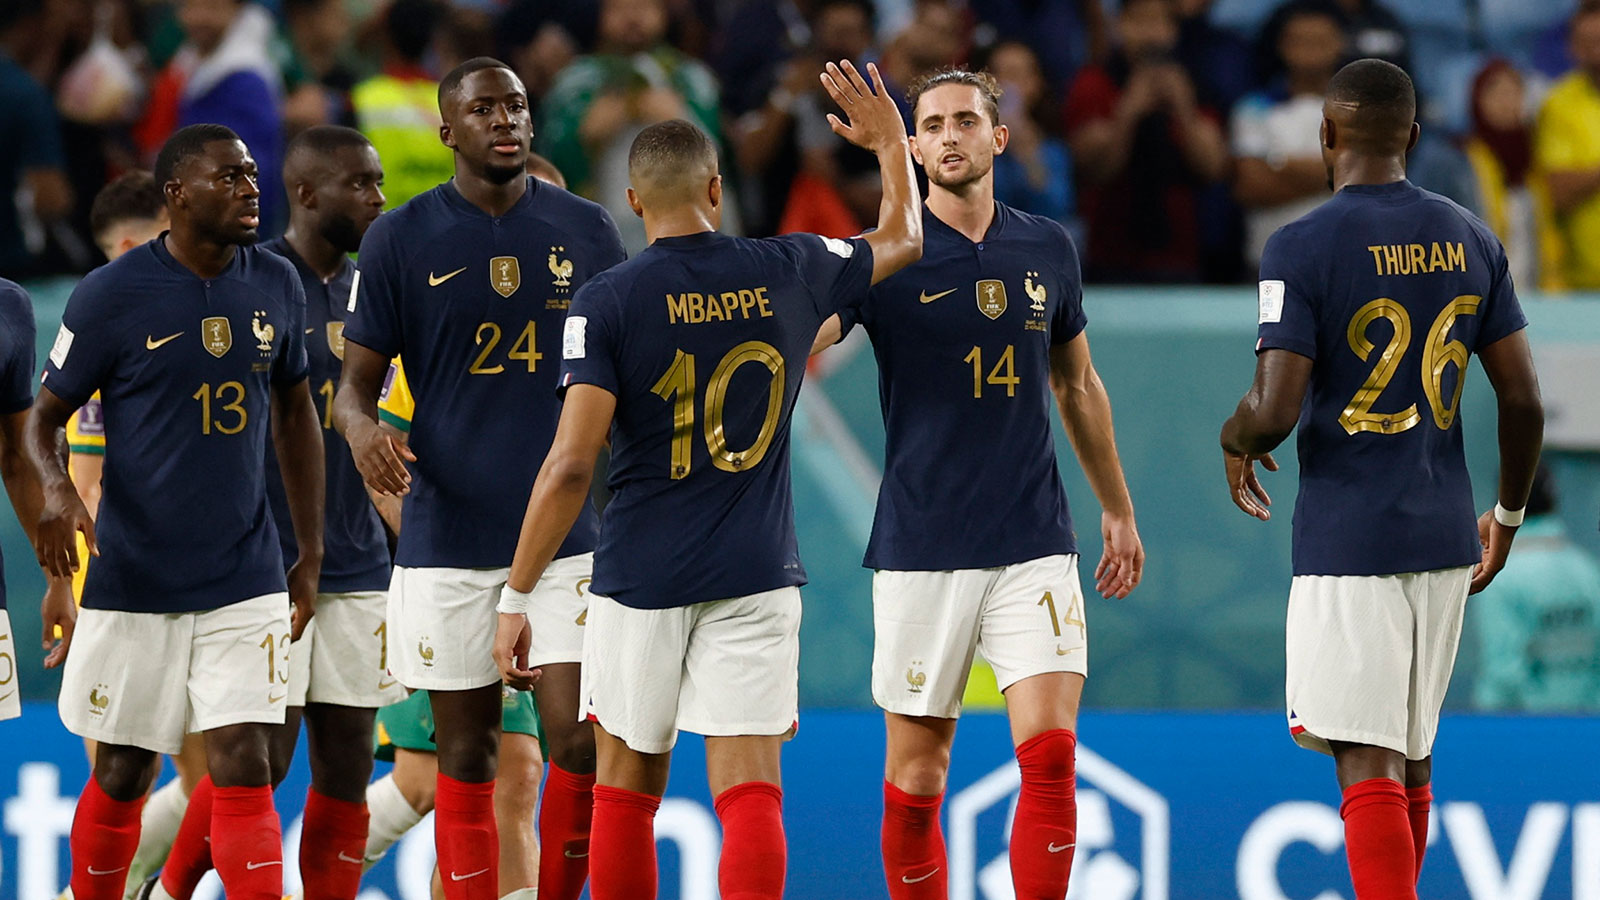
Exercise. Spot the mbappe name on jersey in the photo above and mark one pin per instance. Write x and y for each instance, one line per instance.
(718, 306)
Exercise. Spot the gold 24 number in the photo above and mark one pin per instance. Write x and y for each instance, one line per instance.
(1437, 355)
(235, 406)
(678, 386)
(488, 337)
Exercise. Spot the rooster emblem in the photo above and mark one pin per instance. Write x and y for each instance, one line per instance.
(1035, 292)
(916, 679)
(262, 332)
(560, 268)
(426, 652)
(98, 701)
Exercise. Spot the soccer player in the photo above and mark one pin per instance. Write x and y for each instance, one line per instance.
(690, 358)
(337, 675)
(1370, 308)
(469, 284)
(195, 343)
(972, 544)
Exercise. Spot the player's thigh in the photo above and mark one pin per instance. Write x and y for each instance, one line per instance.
(1439, 599)
(1348, 661)
(741, 668)
(633, 670)
(348, 663)
(1032, 623)
(917, 752)
(120, 687)
(1044, 702)
(10, 690)
(560, 610)
(239, 664)
(924, 632)
(441, 626)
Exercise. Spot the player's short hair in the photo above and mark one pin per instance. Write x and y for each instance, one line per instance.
(1382, 93)
(130, 197)
(187, 143)
(451, 83)
(322, 140)
(673, 146)
(989, 90)
(539, 167)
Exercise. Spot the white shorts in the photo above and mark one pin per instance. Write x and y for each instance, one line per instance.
(1026, 618)
(723, 668)
(147, 679)
(441, 627)
(1369, 657)
(559, 609)
(10, 689)
(343, 656)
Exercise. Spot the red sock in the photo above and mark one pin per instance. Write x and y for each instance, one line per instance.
(913, 846)
(333, 840)
(1419, 800)
(754, 854)
(247, 842)
(1045, 830)
(622, 864)
(467, 840)
(190, 858)
(105, 833)
(565, 812)
(1377, 840)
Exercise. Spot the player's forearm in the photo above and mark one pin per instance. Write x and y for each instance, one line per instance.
(22, 486)
(1086, 415)
(554, 506)
(1521, 439)
(1246, 432)
(898, 241)
(297, 437)
(43, 450)
(388, 508)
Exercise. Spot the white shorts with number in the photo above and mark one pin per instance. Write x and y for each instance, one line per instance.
(10, 692)
(559, 610)
(1369, 657)
(147, 679)
(722, 668)
(343, 656)
(1026, 618)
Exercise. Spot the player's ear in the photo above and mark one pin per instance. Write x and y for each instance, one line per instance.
(1327, 133)
(634, 204)
(1002, 139)
(714, 191)
(916, 152)
(446, 137)
(1416, 132)
(305, 195)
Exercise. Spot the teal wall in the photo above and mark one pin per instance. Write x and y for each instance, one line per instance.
(1204, 630)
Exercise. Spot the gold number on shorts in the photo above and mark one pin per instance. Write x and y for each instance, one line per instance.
(1074, 615)
(1007, 364)
(277, 663)
(523, 348)
(1049, 601)
(1437, 355)
(235, 406)
(677, 385)
(382, 634)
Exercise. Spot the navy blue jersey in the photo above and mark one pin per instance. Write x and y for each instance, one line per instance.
(184, 367)
(963, 342)
(473, 305)
(16, 364)
(1388, 289)
(703, 339)
(355, 548)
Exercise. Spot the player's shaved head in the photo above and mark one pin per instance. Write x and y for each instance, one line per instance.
(309, 156)
(186, 144)
(671, 162)
(1373, 105)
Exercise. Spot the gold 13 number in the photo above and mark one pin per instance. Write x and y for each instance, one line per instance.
(1004, 371)
(488, 337)
(277, 658)
(1437, 355)
(234, 406)
(678, 386)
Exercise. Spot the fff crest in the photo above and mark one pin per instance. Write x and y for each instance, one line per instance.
(217, 335)
(992, 297)
(505, 276)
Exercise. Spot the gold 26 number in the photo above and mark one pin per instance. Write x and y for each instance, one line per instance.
(1437, 355)
(677, 385)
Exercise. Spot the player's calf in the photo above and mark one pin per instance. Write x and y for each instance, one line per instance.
(743, 773)
(105, 828)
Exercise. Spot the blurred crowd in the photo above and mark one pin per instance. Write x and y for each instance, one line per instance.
(1171, 136)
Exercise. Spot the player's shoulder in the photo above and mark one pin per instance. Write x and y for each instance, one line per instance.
(1027, 229)
(266, 269)
(130, 275)
(14, 300)
(572, 213)
(414, 223)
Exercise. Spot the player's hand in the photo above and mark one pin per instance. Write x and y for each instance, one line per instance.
(1122, 561)
(875, 122)
(56, 541)
(381, 459)
(1496, 540)
(1248, 494)
(512, 640)
(303, 578)
(60, 616)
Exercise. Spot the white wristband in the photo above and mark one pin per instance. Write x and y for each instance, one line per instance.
(1510, 518)
(513, 602)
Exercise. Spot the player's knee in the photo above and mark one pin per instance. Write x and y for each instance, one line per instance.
(123, 773)
(573, 749)
(923, 775)
(1419, 772)
(469, 760)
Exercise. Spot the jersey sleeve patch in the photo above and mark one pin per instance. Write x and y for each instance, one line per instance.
(572, 343)
(841, 249)
(62, 346)
(1270, 298)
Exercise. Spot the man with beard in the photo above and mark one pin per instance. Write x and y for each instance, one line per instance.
(195, 341)
(469, 284)
(972, 544)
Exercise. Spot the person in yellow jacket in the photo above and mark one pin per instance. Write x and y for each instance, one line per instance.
(1567, 153)
(398, 109)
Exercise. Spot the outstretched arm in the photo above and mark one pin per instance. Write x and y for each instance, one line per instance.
(875, 125)
(1265, 416)
(1509, 364)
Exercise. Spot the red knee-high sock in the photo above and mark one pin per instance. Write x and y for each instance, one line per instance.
(467, 840)
(913, 846)
(1377, 839)
(105, 833)
(566, 811)
(332, 842)
(1419, 800)
(754, 854)
(1045, 830)
(190, 858)
(622, 863)
(247, 843)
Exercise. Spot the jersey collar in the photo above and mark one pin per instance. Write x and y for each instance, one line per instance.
(453, 198)
(935, 227)
(159, 248)
(687, 241)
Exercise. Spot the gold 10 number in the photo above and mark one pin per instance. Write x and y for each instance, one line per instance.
(678, 386)
(1437, 355)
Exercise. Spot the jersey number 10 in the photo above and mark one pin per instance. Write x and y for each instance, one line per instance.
(678, 386)
(1437, 355)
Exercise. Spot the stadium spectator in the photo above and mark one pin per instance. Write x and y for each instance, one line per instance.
(317, 31)
(1499, 150)
(34, 191)
(1217, 59)
(1035, 173)
(541, 37)
(1567, 151)
(1279, 173)
(1538, 624)
(1144, 147)
(1063, 34)
(601, 101)
(398, 109)
(756, 49)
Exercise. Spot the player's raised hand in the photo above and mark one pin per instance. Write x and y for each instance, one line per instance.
(1122, 561)
(1248, 494)
(1496, 540)
(56, 541)
(303, 579)
(380, 458)
(60, 616)
(512, 640)
(874, 119)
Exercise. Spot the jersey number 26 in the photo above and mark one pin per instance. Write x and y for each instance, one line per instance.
(1437, 355)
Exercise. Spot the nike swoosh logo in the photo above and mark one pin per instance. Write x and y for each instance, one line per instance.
(277, 699)
(570, 855)
(150, 343)
(929, 298)
(1054, 849)
(98, 872)
(1059, 651)
(385, 685)
(252, 866)
(311, 331)
(435, 282)
(909, 880)
(455, 877)
(343, 858)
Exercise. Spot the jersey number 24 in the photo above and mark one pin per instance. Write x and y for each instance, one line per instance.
(1437, 355)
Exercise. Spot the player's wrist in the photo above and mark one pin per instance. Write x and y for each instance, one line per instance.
(513, 602)
(1510, 518)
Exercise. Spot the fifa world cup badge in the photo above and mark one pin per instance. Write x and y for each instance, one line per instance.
(505, 276)
(992, 297)
(217, 335)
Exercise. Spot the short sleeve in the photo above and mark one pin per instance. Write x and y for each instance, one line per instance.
(1285, 317)
(375, 321)
(85, 348)
(16, 377)
(1501, 312)
(291, 365)
(1069, 319)
(591, 341)
(86, 429)
(396, 406)
(838, 272)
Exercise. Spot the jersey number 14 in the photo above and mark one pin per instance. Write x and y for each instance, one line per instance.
(1437, 355)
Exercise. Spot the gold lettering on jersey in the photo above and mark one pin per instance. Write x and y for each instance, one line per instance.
(992, 297)
(723, 306)
(336, 340)
(505, 276)
(560, 268)
(1417, 259)
(217, 335)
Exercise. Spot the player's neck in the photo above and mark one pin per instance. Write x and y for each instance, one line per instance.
(969, 211)
(676, 223)
(494, 199)
(1366, 170)
(206, 259)
(323, 257)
